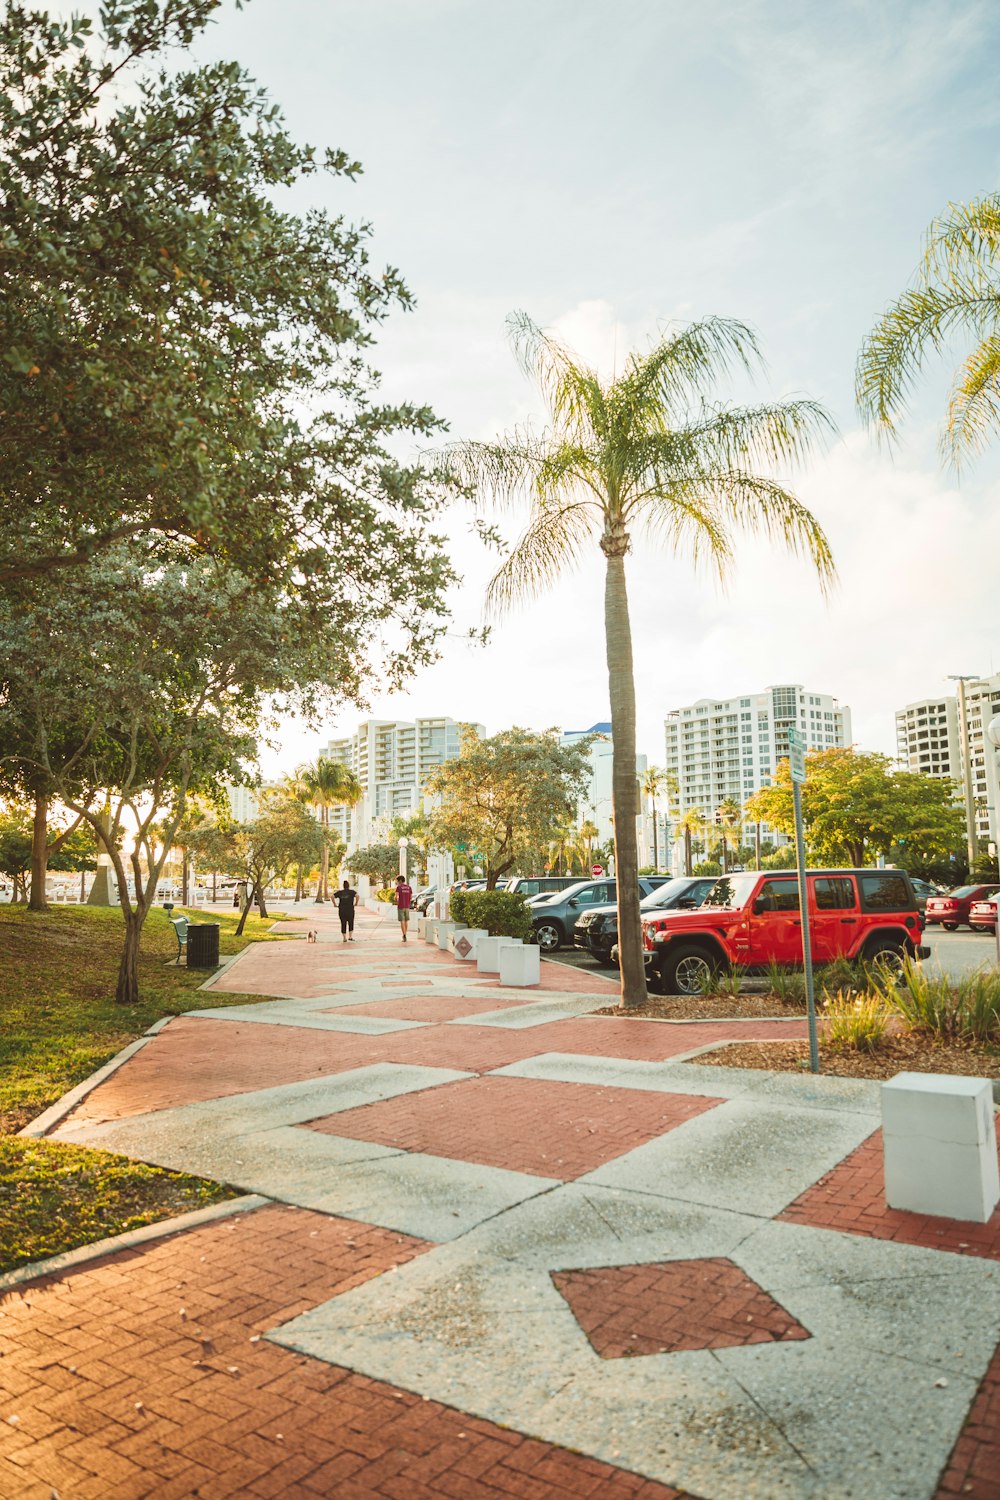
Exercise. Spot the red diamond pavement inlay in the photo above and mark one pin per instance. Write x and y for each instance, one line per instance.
(521, 1124)
(852, 1198)
(144, 1374)
(683, 1304)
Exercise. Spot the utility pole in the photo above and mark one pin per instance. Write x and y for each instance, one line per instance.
(963, 729)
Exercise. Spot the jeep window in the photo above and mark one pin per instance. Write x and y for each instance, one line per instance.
(732, 891)
(778, 895)
(886, 892)
(834, 893)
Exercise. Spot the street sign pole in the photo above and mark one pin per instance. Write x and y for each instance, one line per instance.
(797, 766)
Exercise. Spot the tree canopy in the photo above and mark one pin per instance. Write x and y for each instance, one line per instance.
(505, 796)
(856, 806)
(181, 356)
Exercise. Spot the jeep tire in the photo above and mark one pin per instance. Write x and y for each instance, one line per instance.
(886, 956)
(688, 969)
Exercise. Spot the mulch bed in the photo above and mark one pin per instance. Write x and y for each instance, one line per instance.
(909, 1053)
(707, 1008)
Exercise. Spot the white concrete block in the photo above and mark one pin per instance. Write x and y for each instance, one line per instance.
(943, 1107)
(444, 932)
(521, 964)
(464, 941)
(488, 953)
(419, 926)
(430, 931)
(939, 1138)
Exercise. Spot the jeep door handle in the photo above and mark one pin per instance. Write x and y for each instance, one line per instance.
(848, 921)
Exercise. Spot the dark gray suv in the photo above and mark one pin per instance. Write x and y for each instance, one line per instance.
(597, 929)
(555, 917)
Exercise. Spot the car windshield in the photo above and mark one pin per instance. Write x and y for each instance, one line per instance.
(732, 891)
(964, 890)
(664, 893)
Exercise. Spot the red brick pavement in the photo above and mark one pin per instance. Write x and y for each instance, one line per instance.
(520, 1124)
(851, 1198)
(974, 1466)
(684, 1304)
(425, 1008)
(145, 1375)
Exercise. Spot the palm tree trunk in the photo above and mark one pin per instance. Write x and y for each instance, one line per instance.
(324, 865)
(621, 688)
(656, 852)
(687, 850)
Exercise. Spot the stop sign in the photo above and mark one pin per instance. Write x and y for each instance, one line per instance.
(597, 869)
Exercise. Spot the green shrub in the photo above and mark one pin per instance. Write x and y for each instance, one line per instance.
(386, 893)
(855, 1021)
(707, 867)
(727, 982)
(502, 914)
(839, 974)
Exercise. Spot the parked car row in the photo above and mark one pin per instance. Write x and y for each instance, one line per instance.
(954, 908)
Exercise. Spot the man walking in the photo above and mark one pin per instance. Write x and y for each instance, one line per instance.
(404, 900)
(345, 899)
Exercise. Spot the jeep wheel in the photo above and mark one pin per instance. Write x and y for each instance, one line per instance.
(950, 926)
(688, 970)
(548, 937)
(886, 958)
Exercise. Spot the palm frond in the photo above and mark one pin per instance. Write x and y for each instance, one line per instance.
(550, 545)
(917, 324)
(682, 366)
(974, 407)
(965, 236)
(780, 432)
(762, 507)
(684, 516)
(573, 391)
(503, 473)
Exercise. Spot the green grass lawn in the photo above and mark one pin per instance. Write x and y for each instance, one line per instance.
(58, 1023)
(58, 1017)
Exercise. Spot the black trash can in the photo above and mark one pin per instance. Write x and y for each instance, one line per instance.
(203, 945)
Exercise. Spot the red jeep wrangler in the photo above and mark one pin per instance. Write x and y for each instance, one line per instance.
(749, 921)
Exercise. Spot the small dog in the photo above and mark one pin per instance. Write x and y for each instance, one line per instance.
(312, 935)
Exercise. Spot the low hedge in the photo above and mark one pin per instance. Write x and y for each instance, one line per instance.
(500, 913)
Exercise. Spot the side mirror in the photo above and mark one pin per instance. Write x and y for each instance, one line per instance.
(573, 901)
(760, 905)
(686, 903)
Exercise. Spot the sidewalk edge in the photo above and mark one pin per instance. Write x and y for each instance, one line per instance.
(132, 1238)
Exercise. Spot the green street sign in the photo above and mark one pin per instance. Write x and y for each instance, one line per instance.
(796, 755)
(460, 848)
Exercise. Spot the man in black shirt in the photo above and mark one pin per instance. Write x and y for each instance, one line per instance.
(345, 899)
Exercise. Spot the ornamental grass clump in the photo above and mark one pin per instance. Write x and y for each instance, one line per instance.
(725, 982)
(855, 1021)
(789, 985)
(968, 1010)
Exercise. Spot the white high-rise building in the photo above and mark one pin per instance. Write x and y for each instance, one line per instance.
(929, 739)
(392, 759)
(726, 749)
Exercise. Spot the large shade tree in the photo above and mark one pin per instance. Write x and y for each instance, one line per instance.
(648, 454)
(955, 295)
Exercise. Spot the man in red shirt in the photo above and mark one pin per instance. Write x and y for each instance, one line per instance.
(404, 900)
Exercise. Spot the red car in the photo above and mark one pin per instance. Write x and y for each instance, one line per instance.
(983, 915)
(751, 920)
(952, 909)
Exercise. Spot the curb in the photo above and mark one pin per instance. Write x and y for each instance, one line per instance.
(44, 1122)
(131, 1239)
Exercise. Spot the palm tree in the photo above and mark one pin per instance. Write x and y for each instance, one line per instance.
(299, 788)
(956, 290)
(691, 823)
(588, 833)
(330, 784)
(645, 452)
(652, 782)
(729, 816)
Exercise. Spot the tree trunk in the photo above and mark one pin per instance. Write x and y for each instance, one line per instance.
(322, 892)
(127, 991)
(185, 879)
(298, 883)
(39, 854)
(656, 852)
(244, 914)
(687, 851)
(261, 905)
(621, 687)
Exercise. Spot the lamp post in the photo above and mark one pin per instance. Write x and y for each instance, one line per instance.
(993, 735)
(404, 844)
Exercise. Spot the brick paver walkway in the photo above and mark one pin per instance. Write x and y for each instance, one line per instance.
(599, 1273)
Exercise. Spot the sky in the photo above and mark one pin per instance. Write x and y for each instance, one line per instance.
(615, 168)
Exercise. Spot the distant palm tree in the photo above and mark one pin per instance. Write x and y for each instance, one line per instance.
(956, 291)
(652, 781)
(648, 452)
(299, 789)
(691, 823)
(729, 816)
(588, 833)
(330, 784)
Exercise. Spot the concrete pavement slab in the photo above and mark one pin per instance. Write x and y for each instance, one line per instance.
(747, 1154)
(300, 1015)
